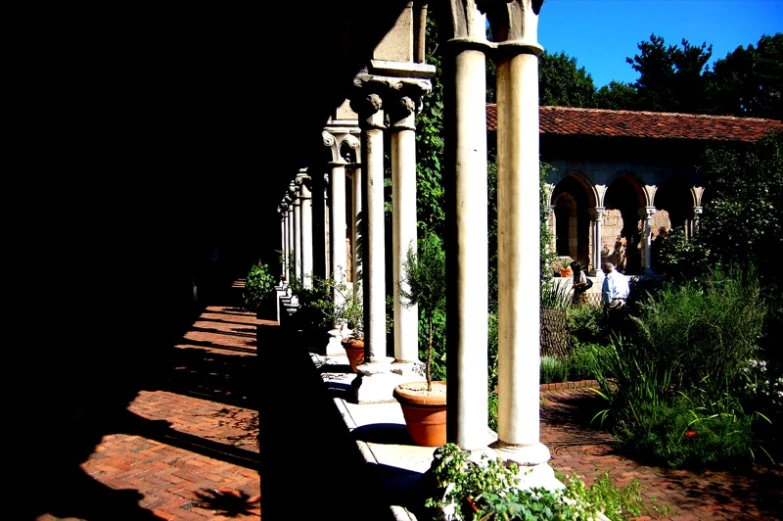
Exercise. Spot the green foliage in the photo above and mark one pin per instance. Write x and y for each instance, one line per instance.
(671, 78)
(476, 487)
(749, 81)
(424, 284)
(678, 365)
(553, 369)
(562, 83)
(743, 221)
(438, 368)
(679, 256)
(586, 324)
(547, 252)
(486, 488)
(616, 96)
(259, 284)
(555, 295)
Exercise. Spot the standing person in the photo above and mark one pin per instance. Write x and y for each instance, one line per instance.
(615, 289)
(581, 283)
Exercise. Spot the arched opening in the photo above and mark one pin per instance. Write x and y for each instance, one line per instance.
(621, 237)
(572, 203)
(674, 203)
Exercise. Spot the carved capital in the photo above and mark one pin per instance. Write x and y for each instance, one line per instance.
(697, 211)
(368, 106)
(514, 25)
(597, 213)
(402, 113)
(646, 212)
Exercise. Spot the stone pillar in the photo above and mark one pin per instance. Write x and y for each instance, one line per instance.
(695, 222)
(597, 214)
(318, 204)
(356, 192)
(305, 196)
(297, 231)
(402, 115)
(646, 214)
(291, 271)
(281, 209)
(372, 385)
(518, 239)
(337, 229)
(466, 245)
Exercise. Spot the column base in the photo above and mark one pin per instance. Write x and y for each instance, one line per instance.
(410, 371)
(599, 274)
(534, 471)
(375, 382)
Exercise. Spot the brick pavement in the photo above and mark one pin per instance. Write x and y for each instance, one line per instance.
(577, 447)
(189, 449)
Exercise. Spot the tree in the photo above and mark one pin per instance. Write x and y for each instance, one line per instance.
(743, 222)
(616, 96)
(749, 81)
(562, 83)
(671, 79)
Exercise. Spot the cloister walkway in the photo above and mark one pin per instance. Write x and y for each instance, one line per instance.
(189, 449)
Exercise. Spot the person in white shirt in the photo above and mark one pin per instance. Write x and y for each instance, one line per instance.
(615, 289)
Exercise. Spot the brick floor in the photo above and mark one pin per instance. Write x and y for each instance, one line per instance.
(578, 448)
(197, 456)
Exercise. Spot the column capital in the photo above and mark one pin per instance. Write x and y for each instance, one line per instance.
(305, 183)
(368, 105)
(402, 113)
(597, 213)
(647, 212)
(697, 211)
(343, 144)
(514, 24)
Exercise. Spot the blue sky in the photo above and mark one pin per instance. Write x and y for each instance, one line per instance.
(600, 34)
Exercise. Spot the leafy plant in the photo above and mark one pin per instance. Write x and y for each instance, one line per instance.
(259, 284)
(477, 487)
(424, 283)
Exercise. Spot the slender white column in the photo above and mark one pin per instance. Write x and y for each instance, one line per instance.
(467, 250)
(290, 226)
(403, 157)
(374, 265)
(297, 233)
(518, 240)
(307, 230)
(646, 214)
(697, 211)
(357, 211)
(337, 228)
(598, 215)
(283, 240)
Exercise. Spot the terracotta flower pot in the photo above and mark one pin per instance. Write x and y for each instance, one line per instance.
(424, 411)
(354, 349)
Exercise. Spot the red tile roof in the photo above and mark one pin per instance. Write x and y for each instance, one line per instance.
(565, 121)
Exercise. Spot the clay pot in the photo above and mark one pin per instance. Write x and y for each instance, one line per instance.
(424, 412)
(354, 349)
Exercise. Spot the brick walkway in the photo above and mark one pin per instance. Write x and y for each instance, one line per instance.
(575, 447)
(189, 450)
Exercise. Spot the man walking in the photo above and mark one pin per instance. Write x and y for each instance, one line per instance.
(615, 289)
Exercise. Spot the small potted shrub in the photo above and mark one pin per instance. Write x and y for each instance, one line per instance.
(424, 403)
(259, 288)
(350, 319)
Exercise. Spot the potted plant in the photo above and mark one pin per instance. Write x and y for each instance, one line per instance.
(259, 288)
(424, 283)
(350, 317)
(565, 267)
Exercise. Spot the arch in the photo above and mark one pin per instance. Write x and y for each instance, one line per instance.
(572, 199)
(674, 201)
(621, 234)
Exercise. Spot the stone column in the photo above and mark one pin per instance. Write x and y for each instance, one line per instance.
(291, 271)
(466, 244)
(646, 214)
(402, 115)
(281, 209)
(307, 229)
(597, 214)
(297, 231)
(356, 192)
(695, 222)
(318, 205)
(518, 239)
(337, 228)
(372, 384)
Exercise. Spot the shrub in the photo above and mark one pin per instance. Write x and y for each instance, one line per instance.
(259, 284)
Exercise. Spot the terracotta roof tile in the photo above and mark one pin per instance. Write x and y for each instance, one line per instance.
(565, 121)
